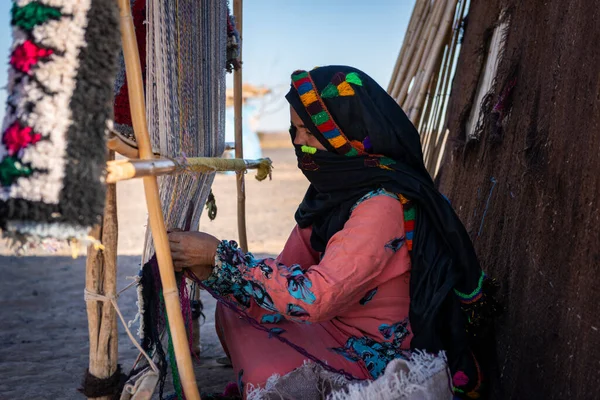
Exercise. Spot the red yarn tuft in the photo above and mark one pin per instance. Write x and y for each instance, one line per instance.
(27, 55)
(17, 138)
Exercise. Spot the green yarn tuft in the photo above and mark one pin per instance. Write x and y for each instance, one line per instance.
(308, 149)
(11, 169)
(386, 161)
(477, 290)
(353, 152)
(319, 118)
(299, 76)
(330, 91)
(409, 214)
(33, 14)
(353, 77)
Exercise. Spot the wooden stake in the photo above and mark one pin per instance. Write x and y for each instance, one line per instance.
(101, 278)
(133, 70)
(428, 134)
(433, 99)
(407, 39)
(412, 48)
(239, 146)
(419, 45)
(419, 63)
(448, 74)
(438, 44)
(439, 116)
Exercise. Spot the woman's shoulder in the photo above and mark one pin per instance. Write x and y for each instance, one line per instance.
(378, 198)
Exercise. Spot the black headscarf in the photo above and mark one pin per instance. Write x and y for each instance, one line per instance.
(372, 144)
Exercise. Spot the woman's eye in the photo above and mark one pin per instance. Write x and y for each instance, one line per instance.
(293, 129)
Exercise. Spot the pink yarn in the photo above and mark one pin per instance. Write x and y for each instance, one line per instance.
(460, 379)
(17, 137)
(232, 390)
(27, 55)
(186, 311)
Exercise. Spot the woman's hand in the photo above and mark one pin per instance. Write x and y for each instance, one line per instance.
(193, 250)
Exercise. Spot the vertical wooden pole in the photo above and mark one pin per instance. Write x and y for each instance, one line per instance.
(413, 54)
(444, 25)
(415, 25)
(101, 278)
(133, 70)
(239, 148)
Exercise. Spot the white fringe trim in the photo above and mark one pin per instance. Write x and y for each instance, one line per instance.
(24, 236)
(413, 379)
(424, 377)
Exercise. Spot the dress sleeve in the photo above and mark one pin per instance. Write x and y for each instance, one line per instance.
(297, 249)
(273, 289)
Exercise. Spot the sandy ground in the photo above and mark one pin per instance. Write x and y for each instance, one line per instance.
(43, 336)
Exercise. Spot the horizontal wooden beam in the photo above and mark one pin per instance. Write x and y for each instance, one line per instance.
(120, 170)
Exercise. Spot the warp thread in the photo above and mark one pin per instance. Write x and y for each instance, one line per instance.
(156, 323)
(153, 318)
(94, 386)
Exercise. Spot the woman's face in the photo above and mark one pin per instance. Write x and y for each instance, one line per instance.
(303, 135)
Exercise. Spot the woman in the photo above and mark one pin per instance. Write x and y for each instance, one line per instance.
(378, 263)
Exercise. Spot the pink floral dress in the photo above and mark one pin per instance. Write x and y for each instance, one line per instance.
(348, 307)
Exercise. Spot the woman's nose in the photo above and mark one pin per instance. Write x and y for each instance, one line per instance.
(300, 138)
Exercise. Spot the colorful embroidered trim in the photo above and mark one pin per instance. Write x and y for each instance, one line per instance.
(409, 221)
(319, 114)
(375, 160)
(475, 294)
(371, 194)
(340, 85)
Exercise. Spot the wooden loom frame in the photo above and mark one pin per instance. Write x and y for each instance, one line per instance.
(101, 267)
(133, 71)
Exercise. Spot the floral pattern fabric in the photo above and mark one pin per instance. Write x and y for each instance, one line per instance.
(356, 293)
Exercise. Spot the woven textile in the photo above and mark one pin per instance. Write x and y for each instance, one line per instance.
(185, 92)
(52, 153)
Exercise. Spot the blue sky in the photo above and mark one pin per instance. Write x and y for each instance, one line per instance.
(281, 36)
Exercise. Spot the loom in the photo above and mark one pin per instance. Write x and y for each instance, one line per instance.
(168, 121)
(60, 134)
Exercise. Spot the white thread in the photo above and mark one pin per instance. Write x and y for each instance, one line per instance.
(89, 296)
